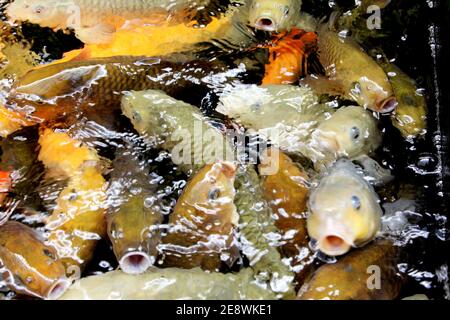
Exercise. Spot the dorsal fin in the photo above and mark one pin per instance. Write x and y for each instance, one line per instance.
(62, 83)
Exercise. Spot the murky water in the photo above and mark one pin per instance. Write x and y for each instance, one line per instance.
(121, 162)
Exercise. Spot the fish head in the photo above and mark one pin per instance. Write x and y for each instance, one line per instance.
(350, 132)
(210, 193)
(269, 15)
(261, 107)
(245, 104)
(43, 12)
(373, 94)
(130, 231)
(33, 267)
(344, 211)
(149, 109)
(410, 116)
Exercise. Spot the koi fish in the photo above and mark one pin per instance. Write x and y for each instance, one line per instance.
(5, 185)
(278, 16)
(344, 211)
(410, 116)
(78, 220)
(97, 22)
(351, 73)
(28, 265)
(203, 221)
(61, 94)
(132, 221)
(348, 278)
(288, 56)
(292, 118)
(287, 193)
(177, 127)
(286, 190)
(169, 284)
(256, 223)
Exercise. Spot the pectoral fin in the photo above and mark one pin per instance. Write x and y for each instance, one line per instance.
(98, 34)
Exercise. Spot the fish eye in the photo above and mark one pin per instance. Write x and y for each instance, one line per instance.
(38, 9)
(214, 194)
(256, 106)
(356, 88)
(355, 133)
(49, 254)
(356, 203)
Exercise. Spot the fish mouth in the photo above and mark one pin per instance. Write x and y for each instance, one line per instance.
(326, 143)
(388, 105)
(334, 245)
(330, 145)
(58, 289)
(266, 24)
(136, 262)
(229, 169)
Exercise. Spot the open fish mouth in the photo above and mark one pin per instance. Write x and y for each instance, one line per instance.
(136, 262)
(388, 105)
(266, 24)
(58, 289)
(335, 239)
(325, 143)
(334, 245)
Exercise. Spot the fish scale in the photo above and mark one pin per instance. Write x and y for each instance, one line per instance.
(95, 22)
(203, 221)
(130, 9)
(354, 74)
(349, 278)
(97, 96)
(22, 247)
(132, 225)
(154, 114)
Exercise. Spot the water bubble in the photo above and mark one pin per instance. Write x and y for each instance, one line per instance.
(149, 202)
(105, 264)
(344, 34)
(426, 163)
(325, 258)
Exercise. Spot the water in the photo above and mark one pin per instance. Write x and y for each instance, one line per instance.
(418, 165)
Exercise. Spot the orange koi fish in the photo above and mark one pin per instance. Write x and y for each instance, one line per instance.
(5, 184)
(288, 56)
